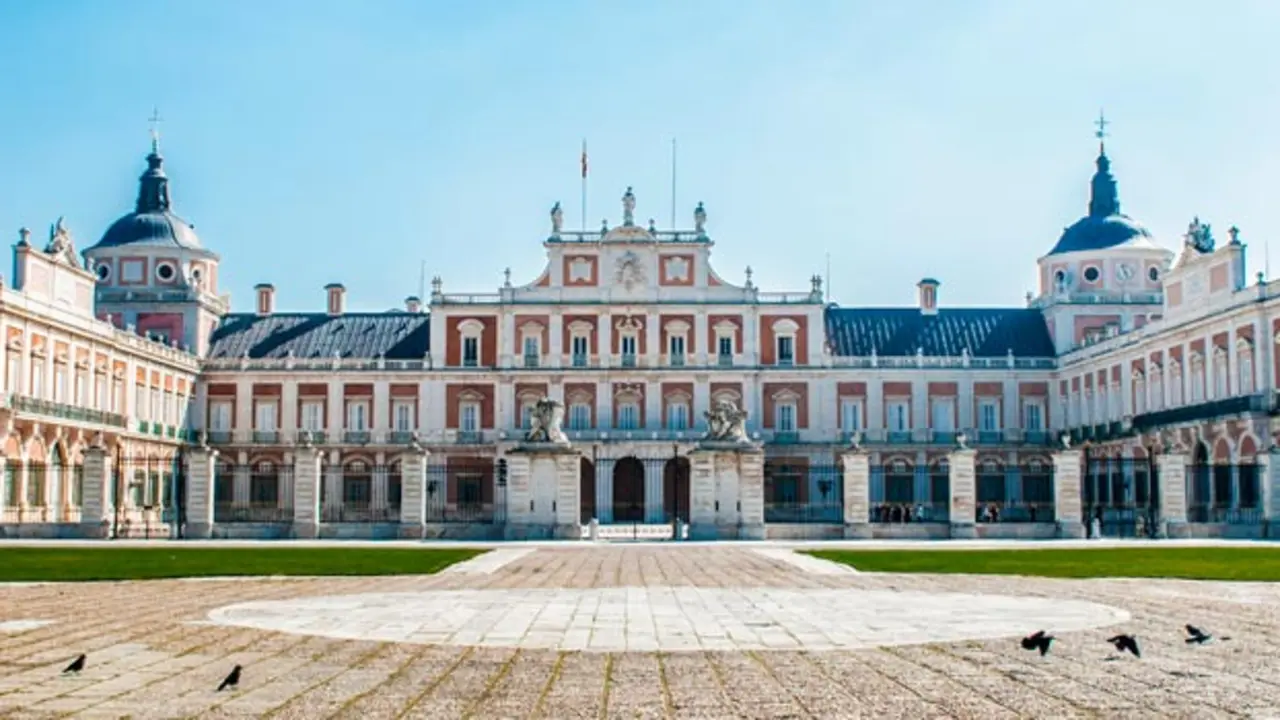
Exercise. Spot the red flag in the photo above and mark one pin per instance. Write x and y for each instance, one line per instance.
(584, 159)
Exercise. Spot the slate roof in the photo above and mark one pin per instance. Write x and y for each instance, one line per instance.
(985, 332)
(395, 336)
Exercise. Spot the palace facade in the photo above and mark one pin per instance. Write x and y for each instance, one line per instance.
(135, 397)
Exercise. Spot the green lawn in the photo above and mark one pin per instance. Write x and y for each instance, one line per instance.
(32, 564)
(1191, 563)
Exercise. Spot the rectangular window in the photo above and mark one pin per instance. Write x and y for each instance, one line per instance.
(265, 416)
(628, 347)
(82, 389)
(313, 415)
(628, 416)
(470, 351)
(579, 349)
(676, 349)
(724, 346)
(988, 415)
(220, 416)
(526, 415)
(60, 393)
(469, 417)
(140, 407)
(1033, 417)
(850, 414)
(678, 416)
(785, 420)
(37, 379)
(786, 350)
(358, 416)
(402, 416)
(899, 416)
(101, 392)
(1246, 372)
(117, 396)
(157, 412)
(531, 352)
(944, 414)
(579, 416)
(14, 378)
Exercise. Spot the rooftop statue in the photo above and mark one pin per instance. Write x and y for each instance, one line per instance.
(545, 422)
(726, 424)
(629, 208)
(557, 219)
(1199, 236)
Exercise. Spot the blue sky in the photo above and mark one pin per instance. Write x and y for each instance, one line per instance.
(313, 141)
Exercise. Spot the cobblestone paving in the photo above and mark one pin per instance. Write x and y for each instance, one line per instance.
(153, 652)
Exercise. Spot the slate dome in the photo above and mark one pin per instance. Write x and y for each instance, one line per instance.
(152, 223)
(1105, 226)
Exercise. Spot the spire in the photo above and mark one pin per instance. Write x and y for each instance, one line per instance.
(153, 186)
(1103, 198)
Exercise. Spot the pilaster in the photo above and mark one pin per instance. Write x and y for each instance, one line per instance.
(1068, 510)
(1172, 470)
(306, 492)
(200, 476)
(963, 493)
(413, 496)
(702, 495)
(856, 469)
(543, 490)
(750, 494)
(95, 500)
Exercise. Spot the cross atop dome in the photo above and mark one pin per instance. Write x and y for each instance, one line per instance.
(155, 121)
(1101, 133)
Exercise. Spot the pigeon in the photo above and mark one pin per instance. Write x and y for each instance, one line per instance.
(76, 665)
(232, 680)
(1126, 642)
(1039, 641)
(1196, 636)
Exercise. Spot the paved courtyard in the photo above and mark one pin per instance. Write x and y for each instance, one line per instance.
(637, 631)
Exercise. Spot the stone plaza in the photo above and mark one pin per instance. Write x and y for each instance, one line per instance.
(566, 630)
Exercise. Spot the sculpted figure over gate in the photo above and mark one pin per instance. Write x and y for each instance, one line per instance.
(544, 425)
(726, 424)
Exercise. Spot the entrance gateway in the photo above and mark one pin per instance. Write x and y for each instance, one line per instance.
(633, 498)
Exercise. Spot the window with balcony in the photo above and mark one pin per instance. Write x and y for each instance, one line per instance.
(1155, 391)
(675, 350)
(37, 379)
(526, 414)
(13, 376)
(469, 416)
(101, 392)
(898, 416)
(784, 416)
(60, 393)
(1033, 417)
(82, 388)
(627, 346)
(1244, 365)
(402, 416)
(943, 414)
(470, 351)
(579, 345)
(1220, 375)
(313, 416)
(629, 415)
(220, 416)
(357, 416)
(1197, 380)
(988, 415)
(786, 350)
(579, 416)
(117, 395)
(1139, 395)
(677, 415)
(157, 412)
(140, 406)
(170, 409)
(850, 414)
(532, 350)
(1174, 379)
(266, 417)
(724, 350)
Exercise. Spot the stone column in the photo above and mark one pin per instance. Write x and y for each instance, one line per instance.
(200, 478)
(413, 492)
(856, 468)
(306, 492)
(378, 490)
(1068, 512)
(95, 502)
(702, 495)
(332, 478)
(750, 494)
(653, 501)
(963, 493)
(1172, 469)
(568, 504)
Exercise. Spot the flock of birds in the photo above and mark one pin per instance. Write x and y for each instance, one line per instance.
(1122, 642)
(1037, 641)
(230, 681)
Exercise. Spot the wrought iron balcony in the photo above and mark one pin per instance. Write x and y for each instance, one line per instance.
(786, 437)
(402, 437)
(531, 361)
(356, 437)
(470, 437)
(218, 437)
(724, 360)
(62, 411)
(315, 437)
(1256, 403)
(266, 437)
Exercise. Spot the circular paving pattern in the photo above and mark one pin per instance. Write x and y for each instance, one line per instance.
(669, 618)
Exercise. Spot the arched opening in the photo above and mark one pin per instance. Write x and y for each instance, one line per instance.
(586, 490)
(1200, 483)
(395, 490)
(357, 491)
(676, 497)
(628, 490)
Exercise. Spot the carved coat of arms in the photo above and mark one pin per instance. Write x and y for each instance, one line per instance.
(630, 272)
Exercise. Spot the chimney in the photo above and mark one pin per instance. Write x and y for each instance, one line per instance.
(337, 298)
(266, 298)
(413, 304)
(928, 296)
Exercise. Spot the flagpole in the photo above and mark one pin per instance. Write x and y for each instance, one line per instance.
(584, 185)
(673, 184)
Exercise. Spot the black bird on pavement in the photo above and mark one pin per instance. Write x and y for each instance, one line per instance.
(76, 665)
(1126, 642)
(1196, 636)
(231, 680)
(1038, 641)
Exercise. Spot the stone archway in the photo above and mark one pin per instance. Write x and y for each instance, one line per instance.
(628, 490)
(676, 495)
(586, 490)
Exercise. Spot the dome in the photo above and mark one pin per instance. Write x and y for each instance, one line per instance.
(1105, 226)
(152, 223)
